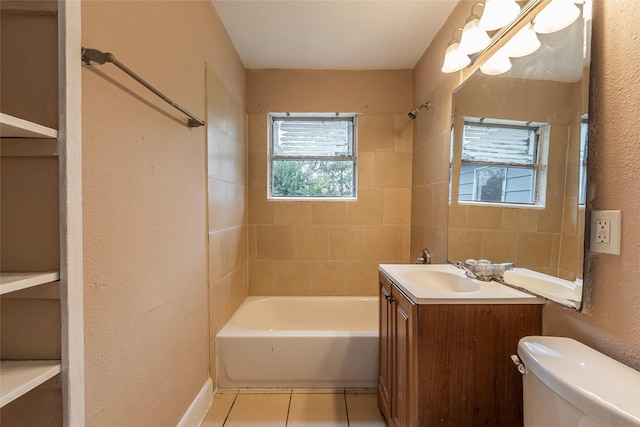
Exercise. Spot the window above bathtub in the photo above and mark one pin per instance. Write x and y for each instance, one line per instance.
(312, 156)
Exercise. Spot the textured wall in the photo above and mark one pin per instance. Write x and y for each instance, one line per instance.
(610, 321)
(145, 208)
(332, 247)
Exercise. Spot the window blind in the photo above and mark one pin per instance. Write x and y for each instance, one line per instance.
(499, 144)
(308, 137)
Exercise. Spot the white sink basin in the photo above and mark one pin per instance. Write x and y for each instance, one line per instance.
(446, 284)
(441, 280)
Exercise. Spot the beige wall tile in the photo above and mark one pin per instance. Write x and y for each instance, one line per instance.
(362, 278)
(257, 173)
(457, 215)
(292, 212)
(329, 212)
(291, 278)
(487, 217)
(216, 102)
(274, 242)
(520, 219)
(550, 218)
(569, 252)
(375, 132)
(499, 246)
(310, 242)
(403, 133)
(464, 243)
(239, 288)
(261, 210)
(387, 242)
(347, 242)
(440, 206)
(219, 306)
(261, 278)
(366, 170)
(328, 278)
(535, 250)
(257, 136)
(235, 120)
(393, 170)
(396, 206)
(367, 209)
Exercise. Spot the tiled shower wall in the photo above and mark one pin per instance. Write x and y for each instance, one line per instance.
(227, 205)
(332, 247)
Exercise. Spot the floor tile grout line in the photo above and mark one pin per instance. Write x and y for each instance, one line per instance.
(230, 408)
(346, 407)
(286, 421)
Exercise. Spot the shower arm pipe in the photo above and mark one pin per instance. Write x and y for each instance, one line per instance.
(93, 57)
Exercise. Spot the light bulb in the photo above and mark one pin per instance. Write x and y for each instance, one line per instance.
(499, 63)
(556, 16)
(498, 13)
(454, 59)
(523, 43)
(473, 38)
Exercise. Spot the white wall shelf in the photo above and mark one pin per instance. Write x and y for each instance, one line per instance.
(18, 377)
(11, 282)
(13, 127)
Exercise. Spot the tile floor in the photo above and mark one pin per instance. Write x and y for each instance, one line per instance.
(294, 408)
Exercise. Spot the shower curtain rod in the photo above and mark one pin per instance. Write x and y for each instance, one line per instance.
(93, 57)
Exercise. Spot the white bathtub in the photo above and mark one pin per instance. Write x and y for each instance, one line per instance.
(307, 342)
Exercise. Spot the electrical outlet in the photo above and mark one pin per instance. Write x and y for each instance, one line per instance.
(606, 231)
(603, 231)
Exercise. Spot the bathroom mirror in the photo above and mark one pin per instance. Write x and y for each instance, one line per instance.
(518, 165)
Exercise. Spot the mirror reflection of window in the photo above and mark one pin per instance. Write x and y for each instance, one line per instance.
(584, 135)
(502, 162)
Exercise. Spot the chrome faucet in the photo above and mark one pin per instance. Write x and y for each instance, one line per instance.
(484, 270)
(424, 257)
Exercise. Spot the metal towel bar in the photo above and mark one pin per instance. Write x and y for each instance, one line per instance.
(93, 57)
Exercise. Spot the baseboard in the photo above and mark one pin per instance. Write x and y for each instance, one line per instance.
(199, 407)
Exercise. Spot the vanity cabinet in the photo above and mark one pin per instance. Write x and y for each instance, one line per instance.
(449, 364)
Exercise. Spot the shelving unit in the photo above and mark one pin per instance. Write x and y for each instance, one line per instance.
(21, 376)
(11, 282)
(13, 127)
(41, 366)
(18, 377)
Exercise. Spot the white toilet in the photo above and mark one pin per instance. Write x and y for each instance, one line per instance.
(567, 384)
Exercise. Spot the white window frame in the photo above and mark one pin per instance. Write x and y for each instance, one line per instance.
(271, 117)
(539, 166)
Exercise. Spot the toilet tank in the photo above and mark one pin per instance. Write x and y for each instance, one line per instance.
(568, 384)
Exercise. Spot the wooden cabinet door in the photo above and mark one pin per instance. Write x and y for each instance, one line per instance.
(385, 349)
(404, 394)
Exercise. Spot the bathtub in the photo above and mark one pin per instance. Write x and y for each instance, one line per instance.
(306, 342)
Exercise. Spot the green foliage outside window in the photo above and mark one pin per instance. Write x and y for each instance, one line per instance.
(312, 178)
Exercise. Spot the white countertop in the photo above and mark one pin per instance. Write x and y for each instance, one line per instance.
(487, 292)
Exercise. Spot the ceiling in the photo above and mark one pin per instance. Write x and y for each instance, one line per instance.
(332, 34)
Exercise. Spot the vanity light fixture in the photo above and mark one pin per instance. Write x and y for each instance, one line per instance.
(454, 58)
(558, 15)
(498, 13)
(499, 63)
(523, 43)
(473, 38)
